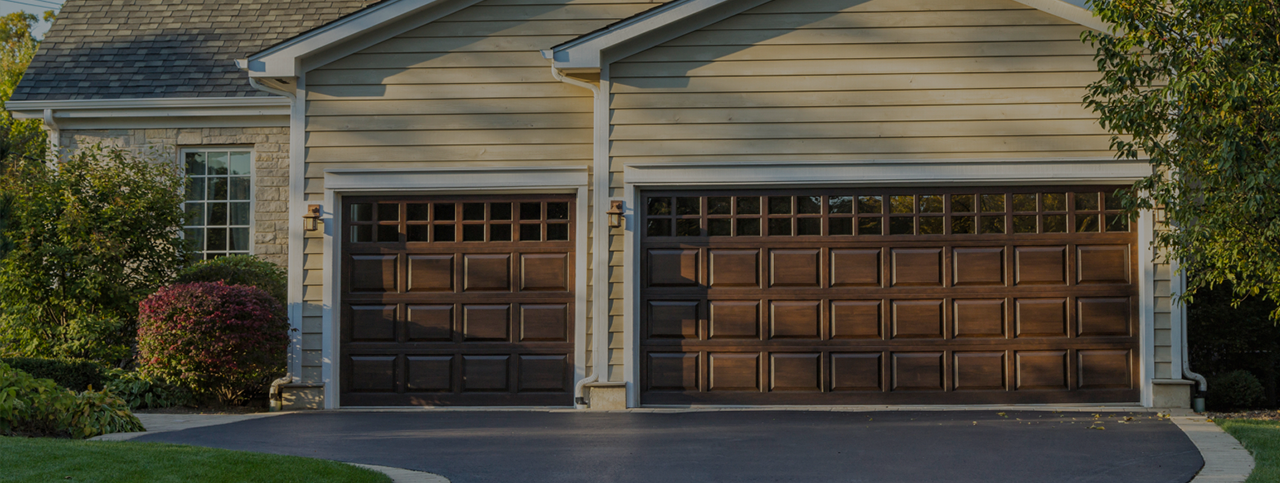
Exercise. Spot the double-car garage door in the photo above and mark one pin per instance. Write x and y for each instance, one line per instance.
(887, 296)
(838, 296)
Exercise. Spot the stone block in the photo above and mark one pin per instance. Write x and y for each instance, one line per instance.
(1171, 394)
(295, 398)
(609, 396)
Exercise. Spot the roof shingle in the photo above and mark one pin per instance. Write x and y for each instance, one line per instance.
(118, 49)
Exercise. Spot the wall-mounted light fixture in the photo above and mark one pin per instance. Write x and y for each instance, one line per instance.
(615, 214)
(311, 220)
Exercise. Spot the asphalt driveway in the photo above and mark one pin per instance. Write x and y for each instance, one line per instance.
(728, 446)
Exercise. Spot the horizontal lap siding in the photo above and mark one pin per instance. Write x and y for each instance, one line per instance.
(470, 89)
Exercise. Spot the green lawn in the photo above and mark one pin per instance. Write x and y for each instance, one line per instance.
(44, 460)
(1262, 438)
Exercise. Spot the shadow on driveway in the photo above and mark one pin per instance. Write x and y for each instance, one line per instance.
(728, 446)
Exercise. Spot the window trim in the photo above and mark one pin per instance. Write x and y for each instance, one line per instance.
(253, 185)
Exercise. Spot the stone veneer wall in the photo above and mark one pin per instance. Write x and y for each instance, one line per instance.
(270, 169)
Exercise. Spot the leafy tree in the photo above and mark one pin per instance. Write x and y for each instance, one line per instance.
(18, 138)
(94, 235)
(1195, 86)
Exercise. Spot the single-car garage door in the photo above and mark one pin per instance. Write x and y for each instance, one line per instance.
(884, 296)
(457, 301)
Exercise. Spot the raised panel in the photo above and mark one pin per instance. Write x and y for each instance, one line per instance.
(978, 266)
(373, 323)
(373, 373)
(544, 323)
(1041, 317)
(1102, 264)
(979, 371)
(855, 319)
(795, 372)
(1102, 316)
(734, 372)
(917, 266)
(487, 272)
(1042, 370)
(917, 319)
(795, 320)
(1040, 265)
(429, 323)
(673, 319)
(543, 373)
(485, 373)
(429, 374)
(545, 272)
(486, 323)
(793, 268)
(735, 319)
(855, 372)
(673, 268)
(430, 273)
(735, 268)
(373, 273)
(855, 268)
(673, 371)
(1104, 369)
(917, 371)
(978, 318)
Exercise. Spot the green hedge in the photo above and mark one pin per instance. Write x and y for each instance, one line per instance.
(240, 270)
(74, 375)
(31, 406)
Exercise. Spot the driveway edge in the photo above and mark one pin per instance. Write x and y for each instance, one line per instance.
(401, 475)
(1225, 459)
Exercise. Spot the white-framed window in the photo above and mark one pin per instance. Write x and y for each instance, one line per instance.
(219, 200)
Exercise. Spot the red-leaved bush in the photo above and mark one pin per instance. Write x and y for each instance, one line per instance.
(220, 341)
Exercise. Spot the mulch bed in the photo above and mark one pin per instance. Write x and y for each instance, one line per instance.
(1263, 414)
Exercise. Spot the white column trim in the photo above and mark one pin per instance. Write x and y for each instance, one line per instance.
(1147, 306)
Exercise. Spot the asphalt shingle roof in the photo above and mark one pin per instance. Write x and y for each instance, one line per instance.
(116, 49)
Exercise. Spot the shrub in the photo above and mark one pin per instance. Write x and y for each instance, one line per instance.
(38, 407)
(74, 375)
(1225, 337)
(223, 342)
(144, 392)
(92, 235)
(1234, 390)
(240, 270)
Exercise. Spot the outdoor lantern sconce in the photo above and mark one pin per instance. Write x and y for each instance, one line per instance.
(311, 220)
(615, 214)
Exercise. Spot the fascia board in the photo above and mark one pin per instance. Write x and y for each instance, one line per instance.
(584, 53)
(284, 60)
(480, 177)
(156, 107)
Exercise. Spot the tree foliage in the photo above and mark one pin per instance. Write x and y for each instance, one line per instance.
(93, 236)
(1194, 85)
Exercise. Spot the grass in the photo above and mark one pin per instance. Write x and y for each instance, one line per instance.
(43, 460)
(1262, 438)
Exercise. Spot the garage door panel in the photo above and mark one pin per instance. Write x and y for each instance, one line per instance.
(978, 266)
(734, 372)
(372, 273)
(428, 323)
(917, 319)
(460, 307)
(1041, 265)
(855, 267)
(856, 319)
(734, 319)
(795, 320)
(917, 266)
(431, 273)
(735, 268)
(794, 268)
(979, 318)
(918, 295)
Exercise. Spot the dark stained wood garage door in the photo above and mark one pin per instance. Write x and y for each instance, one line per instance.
(888, 296)
(457, 301)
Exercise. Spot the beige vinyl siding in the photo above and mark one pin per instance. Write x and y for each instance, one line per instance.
(470, 89)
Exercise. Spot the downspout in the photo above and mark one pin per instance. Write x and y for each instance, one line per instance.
(1182, 315)
(600, 354)
(275, 401)
(55, 133)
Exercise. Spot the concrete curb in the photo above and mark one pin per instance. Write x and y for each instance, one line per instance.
(401, 475)
(1225, 459)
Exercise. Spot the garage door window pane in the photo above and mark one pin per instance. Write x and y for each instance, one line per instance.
(388, 233)
(1055, 223)
(809, 205)
(362, 233)
(444, 233)
(720, 205)
(841, 226)
(500, 232)
(416, 212)
(557, 231)
(558, 211)
(901, 204)
(780, 227)
(1086, 223)
(779, 205)
(1054, 201)
(1087, 201)
(931, 225)
(869, 226)
(499, 211)
(530, 211)
(658, 206)
(472, 212)
(1117, 223)
(749, 227)
(688, 206)
(870, 205)
(443, 212)
(472, 233)
(530, 232)
(931, 204)
(720, 227)
(992, 203)
(992, 224)
(902, 225)
(840, 204)
(962, 225)
(1024, 224)
(688, 228)
(361, 212)
(809, 226)
(1024, 202)
(748, 205)
(418, 233)
(962, 204)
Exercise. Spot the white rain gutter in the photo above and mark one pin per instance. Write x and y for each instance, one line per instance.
(274, 398)
(600, 293)
(55, 134)
(1180, 287)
